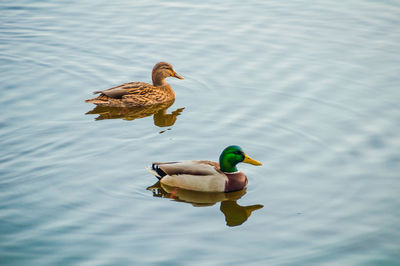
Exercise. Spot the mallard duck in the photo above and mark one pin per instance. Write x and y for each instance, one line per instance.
(206, 176)
(135, 94)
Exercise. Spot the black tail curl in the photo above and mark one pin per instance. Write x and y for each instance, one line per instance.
(158, 170)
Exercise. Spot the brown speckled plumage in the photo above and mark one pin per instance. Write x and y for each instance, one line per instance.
(140, 93)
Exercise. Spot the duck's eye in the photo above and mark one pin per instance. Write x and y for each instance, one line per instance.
(238, 152)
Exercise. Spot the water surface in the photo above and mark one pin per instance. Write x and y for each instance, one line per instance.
(312, 91)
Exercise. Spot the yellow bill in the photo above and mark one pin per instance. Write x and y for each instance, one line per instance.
(247, 159)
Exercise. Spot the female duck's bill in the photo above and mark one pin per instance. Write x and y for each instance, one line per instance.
(176, 75)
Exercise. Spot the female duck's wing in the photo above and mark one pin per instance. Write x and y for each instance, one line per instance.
(125, 89)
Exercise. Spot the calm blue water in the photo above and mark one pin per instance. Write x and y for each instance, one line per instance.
(309, 89)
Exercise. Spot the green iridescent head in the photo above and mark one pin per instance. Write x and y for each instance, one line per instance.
(231, 156)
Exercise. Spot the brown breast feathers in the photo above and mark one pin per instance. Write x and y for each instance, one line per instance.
(236, 181)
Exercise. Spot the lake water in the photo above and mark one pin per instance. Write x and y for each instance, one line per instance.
(309, 89)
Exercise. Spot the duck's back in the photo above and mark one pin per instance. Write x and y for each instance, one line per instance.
(118, 92)
(133, 94)
(191, 175)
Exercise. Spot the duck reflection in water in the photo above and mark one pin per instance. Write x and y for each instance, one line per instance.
(160, 116)
(234, 213)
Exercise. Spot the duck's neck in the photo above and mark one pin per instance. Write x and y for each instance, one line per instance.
(226, 166)
(158, 79)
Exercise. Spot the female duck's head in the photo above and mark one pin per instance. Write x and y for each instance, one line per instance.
(161, 71)
(231, 156)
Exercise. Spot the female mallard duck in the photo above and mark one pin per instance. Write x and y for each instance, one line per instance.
(206, 176)
(140, 93)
